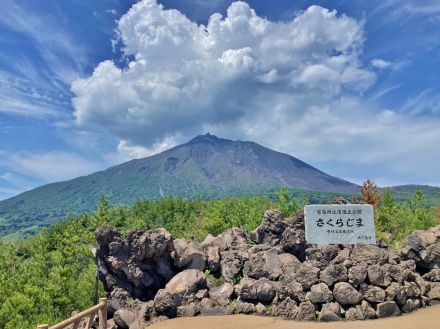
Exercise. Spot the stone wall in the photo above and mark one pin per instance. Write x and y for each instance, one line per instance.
(149, 276)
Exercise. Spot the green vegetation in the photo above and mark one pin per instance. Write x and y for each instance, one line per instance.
(29, 212)
(43, 279)
(395, 221)
(47, 276)
(288, 204)
(32, 212)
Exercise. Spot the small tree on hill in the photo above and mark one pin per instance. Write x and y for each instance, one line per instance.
(288, 205)
(101, 215)
(370, 193)
(385, 214)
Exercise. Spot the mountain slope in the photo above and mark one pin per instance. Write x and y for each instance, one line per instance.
(205, 167)
(404, 192)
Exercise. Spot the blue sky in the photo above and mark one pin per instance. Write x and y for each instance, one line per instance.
(351, 87)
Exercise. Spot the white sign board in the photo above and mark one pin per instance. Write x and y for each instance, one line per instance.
(339, 224)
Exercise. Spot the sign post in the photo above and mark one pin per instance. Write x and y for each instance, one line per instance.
(339, 224)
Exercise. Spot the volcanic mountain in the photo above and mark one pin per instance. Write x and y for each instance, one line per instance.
(205, 167)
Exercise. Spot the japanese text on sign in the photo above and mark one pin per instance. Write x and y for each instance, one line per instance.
(339, 224)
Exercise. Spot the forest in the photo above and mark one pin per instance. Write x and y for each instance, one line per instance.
(46, 277)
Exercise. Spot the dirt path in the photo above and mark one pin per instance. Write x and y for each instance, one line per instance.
(427, 318)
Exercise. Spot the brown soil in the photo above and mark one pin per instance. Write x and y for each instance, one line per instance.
(426, 318)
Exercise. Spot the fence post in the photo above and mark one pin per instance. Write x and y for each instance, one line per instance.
(102, 313)
(43, 326)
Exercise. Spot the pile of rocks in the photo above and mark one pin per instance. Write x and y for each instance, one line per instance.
(149, 276)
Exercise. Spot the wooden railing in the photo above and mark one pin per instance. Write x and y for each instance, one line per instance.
(87, 315)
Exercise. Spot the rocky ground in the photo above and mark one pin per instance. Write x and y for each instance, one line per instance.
(149, 276)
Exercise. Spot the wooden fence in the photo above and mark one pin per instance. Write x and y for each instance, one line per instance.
(87, 315)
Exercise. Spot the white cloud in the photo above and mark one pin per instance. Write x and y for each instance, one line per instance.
(426, 102)
(126, 151)
(424, 8)
(295, 86)
(19, 95)
(385, 91)
(37, 85)
(380, 63)
(47, 167)
(349, 138)
(111, 11)
(62, 54)
(185, 76)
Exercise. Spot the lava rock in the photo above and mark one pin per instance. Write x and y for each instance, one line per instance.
(345, 294)
(265, 290)
(287, 308)
(307, 275)
(166, 303)
(188, 255)
(328, 316)
(357, 274)
(434, 293)
(245, 308)
(271, 229)
(123, 318)
(306, 312)
(386, 309)
(334, 273)
(222, 293)
(213, 258)
(320, 293)
(186, 282)
(231, 266)
(433, 275)
(369, 254)
(373, 294)
(247, 289)
(361, 312)
(378, 276)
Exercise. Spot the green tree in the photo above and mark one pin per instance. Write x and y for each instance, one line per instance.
(288, 205)
(394, 222)
(101, 216)
(385, 215)
(213, 222)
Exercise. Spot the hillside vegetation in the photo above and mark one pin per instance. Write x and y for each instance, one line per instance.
(22, 222)
(17, 222)
(45, 277)
(207, 167)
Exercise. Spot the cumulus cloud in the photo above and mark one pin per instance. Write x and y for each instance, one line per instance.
(296, 86)
(350, 138)
(127, 151)
(184, 76)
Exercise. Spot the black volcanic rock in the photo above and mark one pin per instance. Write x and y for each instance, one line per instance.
(246, 282)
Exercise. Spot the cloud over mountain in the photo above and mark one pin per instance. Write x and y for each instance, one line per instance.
(183, 76)
(296, 85)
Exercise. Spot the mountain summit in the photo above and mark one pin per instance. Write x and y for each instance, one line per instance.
(206, 166)
(210, 166)
(229, 165)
